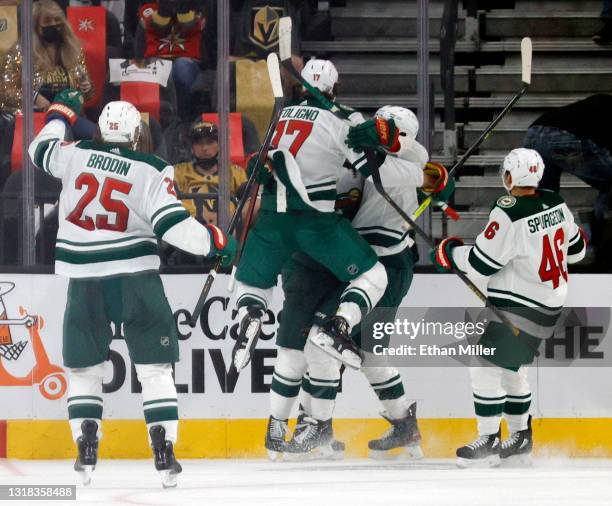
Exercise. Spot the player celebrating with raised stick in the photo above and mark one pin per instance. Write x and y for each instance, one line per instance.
(114, 204)
(297, 214)
(313, 292)
(524, 251)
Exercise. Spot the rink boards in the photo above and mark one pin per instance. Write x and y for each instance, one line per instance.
(573, 405)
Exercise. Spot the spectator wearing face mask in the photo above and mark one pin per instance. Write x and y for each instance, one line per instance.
(201, 174)
(59, 62)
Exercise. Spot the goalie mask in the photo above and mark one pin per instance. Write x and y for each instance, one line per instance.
(321, 74)
(525, 166)
(404, 119)
(120, 123)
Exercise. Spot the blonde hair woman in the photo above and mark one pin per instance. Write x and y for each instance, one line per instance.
(58, 61)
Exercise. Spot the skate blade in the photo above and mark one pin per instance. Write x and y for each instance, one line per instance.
(325, 452)
(414, 452)
(274, 456)
(348, 358)
(490, 461)
(169, 478)
(85, 473)
(523, 460)
(243, 355)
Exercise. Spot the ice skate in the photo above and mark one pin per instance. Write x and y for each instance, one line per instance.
(250, 328)
(312, 441)
(402, 439)
(484, 452)
(333, 339)
(275, 438)
(516, 450)
(87, 444)
(163, 455)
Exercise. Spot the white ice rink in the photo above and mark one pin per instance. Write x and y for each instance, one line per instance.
(576, 482)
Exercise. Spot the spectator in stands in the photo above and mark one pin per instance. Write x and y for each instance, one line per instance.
(173, 29)
(201, 174)
(59, 62)
(576, 139)
(604, 36)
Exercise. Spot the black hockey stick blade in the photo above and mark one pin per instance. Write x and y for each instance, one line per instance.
(277, 91)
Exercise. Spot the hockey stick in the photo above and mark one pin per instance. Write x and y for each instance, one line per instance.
(526, 55)
(277, 90)
(284, 29)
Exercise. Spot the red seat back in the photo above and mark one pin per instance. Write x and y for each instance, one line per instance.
(144, 96)
(89, 25)
(236, 142)
(17, 149)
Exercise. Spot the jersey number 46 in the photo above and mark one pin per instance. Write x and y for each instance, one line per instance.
(552, 265)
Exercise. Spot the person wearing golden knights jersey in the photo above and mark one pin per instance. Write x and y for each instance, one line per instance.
(115, 204)
(201, 174)
(524, 250)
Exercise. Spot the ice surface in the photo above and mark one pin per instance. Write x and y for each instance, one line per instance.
(352, 482)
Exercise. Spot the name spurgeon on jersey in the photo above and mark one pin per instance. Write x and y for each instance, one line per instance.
(543, 221)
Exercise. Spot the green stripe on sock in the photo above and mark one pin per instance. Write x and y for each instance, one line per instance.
(516, 408)
(390, 393)
(489, 409)
(85, 411)
(84, 397)
(161, 414)
(284, 390)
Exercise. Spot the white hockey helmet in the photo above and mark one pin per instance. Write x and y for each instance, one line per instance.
(120, 123)
(525, 166)
(404, 119)
(321, 74)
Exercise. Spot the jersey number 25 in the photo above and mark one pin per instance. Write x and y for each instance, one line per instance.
(110, 204)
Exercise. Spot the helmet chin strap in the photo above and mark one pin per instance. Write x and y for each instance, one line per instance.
(206, 163)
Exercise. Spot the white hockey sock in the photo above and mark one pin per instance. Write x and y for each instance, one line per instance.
(362, 294)
(85, 397)
(489, 398)
(286, 381)
(159, 400)
(387, 384)
(305, 399)
(251, 296)
(518, 399)
(321, 382)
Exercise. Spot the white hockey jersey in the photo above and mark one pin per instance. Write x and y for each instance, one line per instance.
(379, 224)
(524, 250)
(313, 141)
(114, 205)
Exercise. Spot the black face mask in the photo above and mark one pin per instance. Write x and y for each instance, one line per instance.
(205, 163)
(53, 34)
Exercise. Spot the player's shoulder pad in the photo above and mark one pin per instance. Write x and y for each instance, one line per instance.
(508, 205)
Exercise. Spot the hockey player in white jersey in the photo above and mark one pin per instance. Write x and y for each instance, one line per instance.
(313, 292)
(114, 205)
(524, 250)
(297, 214)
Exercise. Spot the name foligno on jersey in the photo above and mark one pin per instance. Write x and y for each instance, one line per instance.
(108, 164)
(300, 113)
(546, 220)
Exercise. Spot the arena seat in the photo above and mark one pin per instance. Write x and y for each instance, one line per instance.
(237, 154)
(89, 25)
(145, 96)
(253, 93)
(16, 150)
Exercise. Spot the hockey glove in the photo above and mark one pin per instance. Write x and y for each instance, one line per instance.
(442, 255)
(222, 245)
(264, 173)
(443, 186)
(374, 133)
(66, 106)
